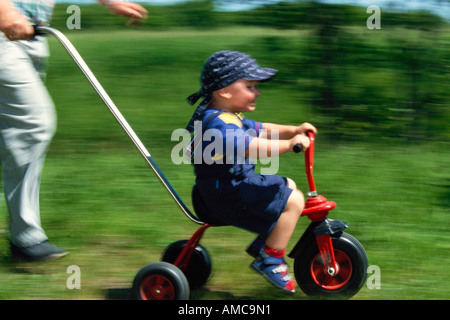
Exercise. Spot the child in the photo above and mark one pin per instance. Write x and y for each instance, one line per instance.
(230, 189)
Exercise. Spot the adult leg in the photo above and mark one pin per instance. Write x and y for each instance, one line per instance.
(27, 125)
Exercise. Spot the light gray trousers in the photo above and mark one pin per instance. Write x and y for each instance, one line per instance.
(27, 125)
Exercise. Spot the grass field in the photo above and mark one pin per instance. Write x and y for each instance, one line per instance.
(100, 201)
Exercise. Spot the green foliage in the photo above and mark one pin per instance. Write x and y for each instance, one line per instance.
(284, 15)
(363, 83)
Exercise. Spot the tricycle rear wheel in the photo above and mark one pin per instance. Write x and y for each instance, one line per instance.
(199, 267)
(160, 281)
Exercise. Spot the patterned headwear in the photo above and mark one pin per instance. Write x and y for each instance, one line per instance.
(220, 70)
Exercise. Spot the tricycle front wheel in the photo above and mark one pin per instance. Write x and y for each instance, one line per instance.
(313, 278)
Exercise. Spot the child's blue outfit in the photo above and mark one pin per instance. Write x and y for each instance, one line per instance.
(227, 188)
(230, 188)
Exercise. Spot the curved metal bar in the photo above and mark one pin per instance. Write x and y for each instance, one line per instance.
(119, 117)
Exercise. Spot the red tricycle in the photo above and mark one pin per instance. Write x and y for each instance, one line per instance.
(328, 262)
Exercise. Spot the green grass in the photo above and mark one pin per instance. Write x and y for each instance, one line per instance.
(100, 200)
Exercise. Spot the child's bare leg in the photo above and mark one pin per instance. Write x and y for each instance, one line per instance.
(281, 233)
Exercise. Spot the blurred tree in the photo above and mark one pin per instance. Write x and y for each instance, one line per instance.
(392, 81)
(353, 74)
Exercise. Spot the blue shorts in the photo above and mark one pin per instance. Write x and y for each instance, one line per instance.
(254, 203)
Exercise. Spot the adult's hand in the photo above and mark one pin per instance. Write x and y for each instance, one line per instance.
(13, 24)
(126, 9)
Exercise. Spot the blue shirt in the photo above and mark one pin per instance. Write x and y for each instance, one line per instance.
(223, 146)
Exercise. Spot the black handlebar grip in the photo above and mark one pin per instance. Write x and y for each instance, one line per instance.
(298, 148)
(37, 32)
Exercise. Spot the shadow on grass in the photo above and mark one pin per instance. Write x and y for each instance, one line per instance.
(207, 294)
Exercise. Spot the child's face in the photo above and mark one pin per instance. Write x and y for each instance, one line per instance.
(242, 95)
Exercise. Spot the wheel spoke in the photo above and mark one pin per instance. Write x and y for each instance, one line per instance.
(322, 278)
(157, 287)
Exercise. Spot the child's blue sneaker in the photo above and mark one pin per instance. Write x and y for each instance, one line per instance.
(275, 270)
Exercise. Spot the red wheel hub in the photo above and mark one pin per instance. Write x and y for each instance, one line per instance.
(157, 287)
(322, 277)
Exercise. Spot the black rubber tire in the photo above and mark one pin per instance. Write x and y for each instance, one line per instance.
(199, 267)
(160, 281)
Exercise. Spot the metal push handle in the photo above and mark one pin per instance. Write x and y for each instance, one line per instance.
(117, 114)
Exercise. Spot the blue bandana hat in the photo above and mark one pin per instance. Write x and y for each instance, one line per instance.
(220, 70)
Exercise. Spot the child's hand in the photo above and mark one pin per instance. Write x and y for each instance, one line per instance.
(299, 139)
(305, 127)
